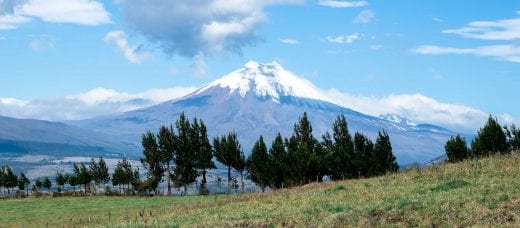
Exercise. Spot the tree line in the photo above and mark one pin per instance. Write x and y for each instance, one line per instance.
(296, 160)
(491, 139)
(182, 153)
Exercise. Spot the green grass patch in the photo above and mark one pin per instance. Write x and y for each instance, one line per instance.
(473, 193)
(450, 186)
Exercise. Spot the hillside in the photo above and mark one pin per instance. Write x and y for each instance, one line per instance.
(477, 192)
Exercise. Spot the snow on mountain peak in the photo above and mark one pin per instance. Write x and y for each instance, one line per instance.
(264, 80)
(397, 119)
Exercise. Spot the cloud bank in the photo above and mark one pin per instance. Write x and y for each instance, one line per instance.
(419, 109)
(102, 101)
(96, 102)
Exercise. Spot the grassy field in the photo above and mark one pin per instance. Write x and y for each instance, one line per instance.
(477, 192)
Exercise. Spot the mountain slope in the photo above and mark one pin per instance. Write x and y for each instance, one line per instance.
(25, 136)
(263, 99)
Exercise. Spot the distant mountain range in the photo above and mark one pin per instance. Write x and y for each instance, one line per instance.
(263, 99)
(30, 137)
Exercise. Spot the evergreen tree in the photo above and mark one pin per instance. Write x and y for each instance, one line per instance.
(83, 176)
(258, 164)
(73, 181)
(204, 153)
(2, 177)
(151, 160)
(280, 172)
(23, 183)
(363, 147)
(490, 139)
(185, 169)
(61, 179)
(341, 149)
(102, 176)
(167, 140)
(47, 184)
(513, 135)
(385, 159)
(306, 154)
(456, 149)
(38, 183)
(240, 166)
(10, 179)
(227, 150)
(124, 174)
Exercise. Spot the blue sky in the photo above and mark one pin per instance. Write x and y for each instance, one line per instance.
(445, 62)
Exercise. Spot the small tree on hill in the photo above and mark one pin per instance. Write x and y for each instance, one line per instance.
(124, 174)
(38, 184)
(23, 183)
(258, 164)
(186, 145)
(385, 159)
(279, 170)
(10, 180)
(341, 149)
(61, 180)
(490, 139)
(227, 150)
(513, 134)
(73, 181)
(364, 155)
(99, 171)
(151, 160)
(47, 184)
(457, 149)
(167, 138)
(203, 152)
(82, 176)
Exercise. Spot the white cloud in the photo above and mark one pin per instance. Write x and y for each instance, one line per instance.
(10, 21)
(509, 53)
(82, 12)
(204, 27)
(508, 29)
(290, 41)
(133, 54)
(499, 30)
(96, 102)
(342, 4)
(419, 109)
(342, 39)
(364, 17)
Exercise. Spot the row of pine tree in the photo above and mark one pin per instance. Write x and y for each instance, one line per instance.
(296, 160)
(491, 139)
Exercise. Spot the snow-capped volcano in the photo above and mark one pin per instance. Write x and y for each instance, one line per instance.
(266, 80)
(264, 99)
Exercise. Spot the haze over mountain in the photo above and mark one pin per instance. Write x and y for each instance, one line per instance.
(263, 99)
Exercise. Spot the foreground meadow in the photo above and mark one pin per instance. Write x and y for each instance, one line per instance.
(475, 192)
